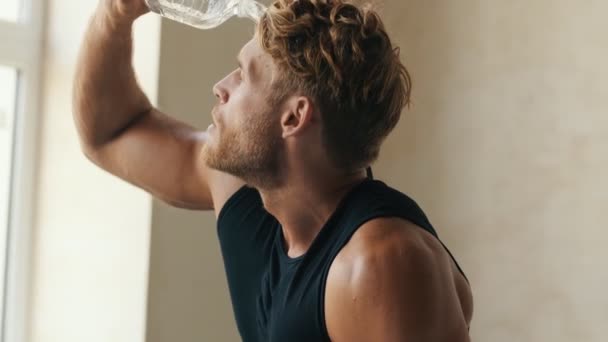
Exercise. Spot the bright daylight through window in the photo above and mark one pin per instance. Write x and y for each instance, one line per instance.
(20, 33)
(8, 94)
(10, 10)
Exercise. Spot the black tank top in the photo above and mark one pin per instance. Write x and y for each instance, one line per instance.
(276, 298)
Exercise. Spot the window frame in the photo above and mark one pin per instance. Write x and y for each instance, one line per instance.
(22, 49)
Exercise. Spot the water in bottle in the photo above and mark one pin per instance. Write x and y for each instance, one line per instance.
(206, 14)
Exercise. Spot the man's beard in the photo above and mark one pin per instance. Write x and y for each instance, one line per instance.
(252, 155)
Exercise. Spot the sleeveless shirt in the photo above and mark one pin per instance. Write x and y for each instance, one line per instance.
(277, 298)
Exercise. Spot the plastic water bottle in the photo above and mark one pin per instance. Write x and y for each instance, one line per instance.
(206, 14)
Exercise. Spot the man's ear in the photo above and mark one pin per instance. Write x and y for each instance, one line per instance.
(299, 115)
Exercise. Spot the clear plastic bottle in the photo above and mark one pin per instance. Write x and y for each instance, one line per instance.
(206, 14)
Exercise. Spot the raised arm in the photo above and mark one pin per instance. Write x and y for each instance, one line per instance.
(124, 134)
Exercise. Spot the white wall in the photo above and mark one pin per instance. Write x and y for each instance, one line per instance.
(91, 248)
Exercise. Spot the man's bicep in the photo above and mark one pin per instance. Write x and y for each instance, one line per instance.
(160, 155)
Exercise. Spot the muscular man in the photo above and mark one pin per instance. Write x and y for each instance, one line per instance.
(314, 249)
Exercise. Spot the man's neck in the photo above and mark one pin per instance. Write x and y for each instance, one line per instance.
(303, 205)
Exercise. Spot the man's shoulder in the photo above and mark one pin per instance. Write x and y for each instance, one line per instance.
(390, 271)
(385, 238)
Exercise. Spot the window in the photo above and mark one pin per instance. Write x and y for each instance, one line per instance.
(10, 10)
(20, 31)
(8, 95)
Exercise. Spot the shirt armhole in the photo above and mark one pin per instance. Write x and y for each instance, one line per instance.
(234, 200)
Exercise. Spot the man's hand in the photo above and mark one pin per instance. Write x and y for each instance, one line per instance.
(124, 10)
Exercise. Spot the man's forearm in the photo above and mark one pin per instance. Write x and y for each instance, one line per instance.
(107, 97)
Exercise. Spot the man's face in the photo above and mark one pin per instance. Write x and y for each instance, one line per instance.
(245, 138)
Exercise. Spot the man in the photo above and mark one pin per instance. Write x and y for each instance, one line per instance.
(314, 250)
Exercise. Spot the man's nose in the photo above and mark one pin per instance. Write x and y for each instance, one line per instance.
(220, 92)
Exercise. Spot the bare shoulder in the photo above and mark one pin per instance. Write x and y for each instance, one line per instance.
(387, 238)
(396, 280)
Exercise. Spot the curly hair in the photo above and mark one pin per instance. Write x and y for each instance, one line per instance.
(339, 54)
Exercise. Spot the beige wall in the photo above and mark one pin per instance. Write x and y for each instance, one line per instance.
(90, 255)
(188, 295)
(505, 148)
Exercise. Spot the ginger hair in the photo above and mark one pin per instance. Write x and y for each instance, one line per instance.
(340, 55)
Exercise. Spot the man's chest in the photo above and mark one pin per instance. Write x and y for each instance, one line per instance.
(289, 306)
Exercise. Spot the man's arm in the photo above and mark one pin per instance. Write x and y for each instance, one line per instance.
(120, 130)
(393, 284)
